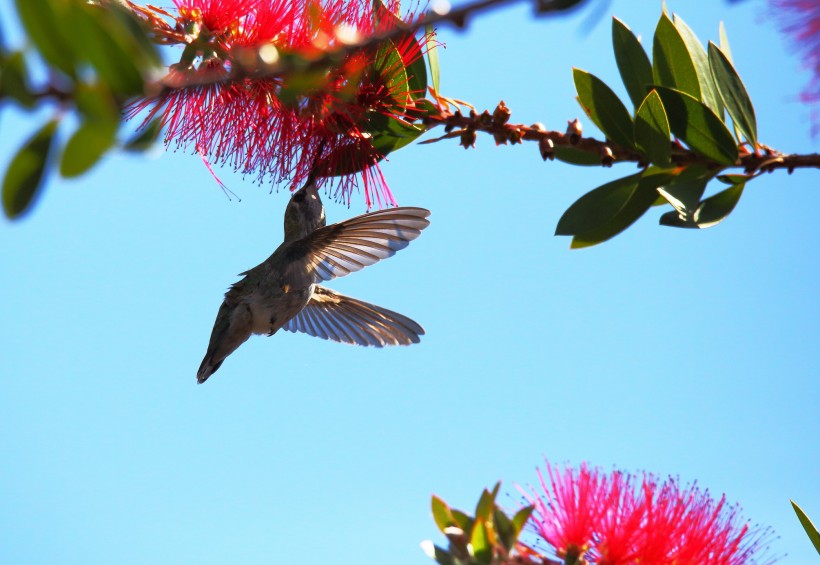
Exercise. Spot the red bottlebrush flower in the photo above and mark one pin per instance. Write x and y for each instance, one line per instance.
(570, 509)
(587, 516)
(269, 127)
(801, 20)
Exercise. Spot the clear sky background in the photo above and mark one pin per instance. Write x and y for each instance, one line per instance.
(689, 353)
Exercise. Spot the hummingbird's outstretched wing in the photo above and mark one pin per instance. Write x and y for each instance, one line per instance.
(340, 249)
(330, 315)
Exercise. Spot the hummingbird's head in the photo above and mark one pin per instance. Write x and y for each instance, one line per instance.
(305, 212)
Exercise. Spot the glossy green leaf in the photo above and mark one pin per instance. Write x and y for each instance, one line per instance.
(389, 65)
(672, 66)
(14, 79)
(684, 193)
(416, 70)
(604, 108)
(24, 176)
(597, 206)
(485, 506)
(394, 135)
(708, 91)
(417, 78)
(86, 146)
(733, 93)
(639, 202)
(716, 208)
(520, 519)
(696, 125)
(633, 62)
(432, 58)
(575, 156)
(441, 513)
(811, 529)
(652, 130)
(44, 22)
(480, 541)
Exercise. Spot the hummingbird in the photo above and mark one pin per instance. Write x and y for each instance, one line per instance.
(284, 291)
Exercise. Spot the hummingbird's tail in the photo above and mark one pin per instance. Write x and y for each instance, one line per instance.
(207, 368)
(232, 328)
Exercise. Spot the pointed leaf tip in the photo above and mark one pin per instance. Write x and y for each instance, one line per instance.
(604, 108)
(808, 526)
(733, 93)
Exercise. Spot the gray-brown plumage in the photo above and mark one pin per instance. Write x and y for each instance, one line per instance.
(283, 291)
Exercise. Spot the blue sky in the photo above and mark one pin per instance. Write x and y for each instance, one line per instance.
(688, 353)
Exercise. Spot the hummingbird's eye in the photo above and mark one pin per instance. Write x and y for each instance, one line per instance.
(299, 196)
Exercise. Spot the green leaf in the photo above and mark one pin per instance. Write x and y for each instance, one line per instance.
(597, 206)
(604, 108)
(462, 520)
(639, 202)
(44, 24)
(733, 179)
(432, 58)
(485, 506)
(435, 552)
(724, 42)
(14, 79)
(684, 194)
(652, 130)
(575, 156)
(672, 66)
(101, 41)
(633, 63)
(716, 208)
(394, 135)
(733, 93)
(96, 102)
(708, 90)
(520, 519)
(145, 137)
(480, 540)
(504, 529)
(416, 70)
(417, 78)
(389, 65)
(441, 513)
(25, 173)
(88, 144)
(811, 529)
(699, 127)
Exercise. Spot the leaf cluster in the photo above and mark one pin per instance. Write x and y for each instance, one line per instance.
(686, 94)
(98, 56)
(488, 537)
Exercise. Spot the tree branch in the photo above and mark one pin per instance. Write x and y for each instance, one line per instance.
(464, 128)
(254, 67)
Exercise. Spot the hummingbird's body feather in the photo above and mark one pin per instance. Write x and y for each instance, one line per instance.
(282, 291)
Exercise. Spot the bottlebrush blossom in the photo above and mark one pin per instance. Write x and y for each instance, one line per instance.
(274, 129)
(587, 516)
(801, 20)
